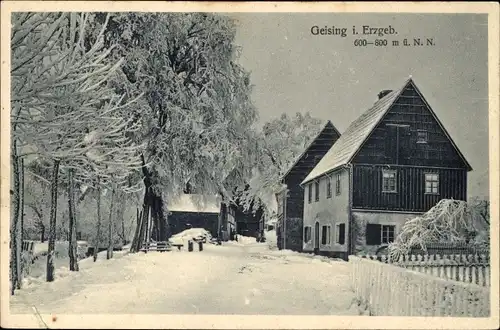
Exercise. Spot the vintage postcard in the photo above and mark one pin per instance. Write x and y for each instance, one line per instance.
(249, 165)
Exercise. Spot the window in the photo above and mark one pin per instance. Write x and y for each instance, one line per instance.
(328, 187)
(307, 234)
(379, 234)
(337, 185)
(422, 136)
(432, 183)
(387, 234)
(340, 234)
(309, 193)
(316, 190)
(388, 181)
(325, 235)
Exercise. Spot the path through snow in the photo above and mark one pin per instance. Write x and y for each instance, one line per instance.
(228, 279)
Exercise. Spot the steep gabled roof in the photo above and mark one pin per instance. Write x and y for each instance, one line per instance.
(327, 125)
(350, 142)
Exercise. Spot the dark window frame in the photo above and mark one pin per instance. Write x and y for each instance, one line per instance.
(388, 233)
(379, 234)
(328, 187)
(326, 235)
(316, 191)
(337, 185)
(340, 233)
(386, 188)
(422, 136)
(434, 184)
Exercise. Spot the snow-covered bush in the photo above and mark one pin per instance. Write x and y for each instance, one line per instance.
(448, 221)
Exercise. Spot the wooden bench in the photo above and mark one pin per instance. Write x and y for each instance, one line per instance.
(178, 246)
(156, 246)
(162, 246)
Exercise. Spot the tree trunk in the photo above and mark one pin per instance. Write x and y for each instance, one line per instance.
(42, 233)
(133, 245)
(109, 253)
(153, 204)
(52, 223)
(14, 233)
(120, 216)
(21, 209)
(98, 234)
(72, 249)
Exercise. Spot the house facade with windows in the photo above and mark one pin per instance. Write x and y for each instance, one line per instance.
(290, 200)
(394, 162)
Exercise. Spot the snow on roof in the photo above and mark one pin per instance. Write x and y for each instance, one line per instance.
(352, 139)
(195, 203)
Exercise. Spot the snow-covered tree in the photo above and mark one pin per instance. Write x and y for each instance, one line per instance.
(282, 140)
(449, 221)
(68, 114)
(196, 112)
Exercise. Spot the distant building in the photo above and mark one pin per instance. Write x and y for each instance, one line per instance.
(243, 222)
(291, 198)
(394, 162)
(194, 210)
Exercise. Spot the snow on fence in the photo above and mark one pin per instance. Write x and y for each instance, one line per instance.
(389, 290)
(472, 268)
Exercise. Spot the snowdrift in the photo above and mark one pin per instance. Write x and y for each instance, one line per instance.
(190, 235)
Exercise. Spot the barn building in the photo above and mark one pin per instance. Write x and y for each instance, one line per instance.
(290, 199)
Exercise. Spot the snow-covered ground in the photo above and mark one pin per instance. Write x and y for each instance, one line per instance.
(244, 278)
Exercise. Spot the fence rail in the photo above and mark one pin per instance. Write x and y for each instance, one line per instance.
(390, 290)
(464, 268)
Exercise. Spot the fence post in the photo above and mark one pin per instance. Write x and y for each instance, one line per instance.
(483, 269)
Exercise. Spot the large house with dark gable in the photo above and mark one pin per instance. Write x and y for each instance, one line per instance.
(290, 199)
(394, 162)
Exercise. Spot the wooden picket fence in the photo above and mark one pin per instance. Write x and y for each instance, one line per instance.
(386, 289)
(472, 268)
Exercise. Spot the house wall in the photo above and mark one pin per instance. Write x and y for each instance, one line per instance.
(293, 239)
(328, 211)
(410, 193)
(388, 144)
(361, 219)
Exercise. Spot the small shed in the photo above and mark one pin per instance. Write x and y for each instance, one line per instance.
(195, 211)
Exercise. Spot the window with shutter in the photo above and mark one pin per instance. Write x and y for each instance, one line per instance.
(373, 236)
(337, 184)
(325, 235)
(328, 187)
(316, 188)
(340, 234)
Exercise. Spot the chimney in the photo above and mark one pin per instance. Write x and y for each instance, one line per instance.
(384, 93)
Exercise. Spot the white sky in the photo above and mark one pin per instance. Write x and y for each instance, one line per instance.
(292, 71)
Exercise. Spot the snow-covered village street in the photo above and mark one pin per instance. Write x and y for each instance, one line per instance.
(231, 279)
(227, 165)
